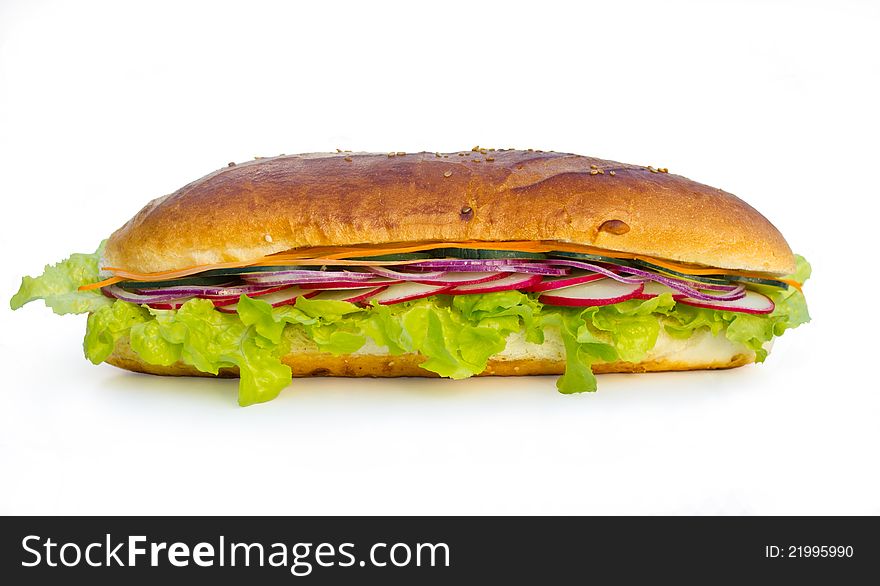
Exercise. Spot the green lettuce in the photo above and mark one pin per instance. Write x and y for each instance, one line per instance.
(753, 331)
(456, 335)
(623, 331)
(456, 344)
(107, 325)
(59, 283)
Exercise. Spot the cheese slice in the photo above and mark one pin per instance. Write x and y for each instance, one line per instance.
(341, 255)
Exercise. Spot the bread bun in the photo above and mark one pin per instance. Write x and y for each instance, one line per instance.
(701, 351)
(271, 205)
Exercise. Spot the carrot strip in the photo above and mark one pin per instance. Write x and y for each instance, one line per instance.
(100, 284)
(793, 283)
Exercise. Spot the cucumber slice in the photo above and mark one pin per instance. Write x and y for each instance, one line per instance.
(482, 254)
(395, 256)
(243, 270)
(758, 281)
(714, 279)
(199, 281)
(591, 257)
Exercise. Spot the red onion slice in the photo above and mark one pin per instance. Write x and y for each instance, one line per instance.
(710, 286)
(301, 272)
(596, 269)
(733, 295)
(301, 277)
(306, 273)
(340, 285)
(654, 288)
(210, 292)
(682, 286)
(138, 299)
(401, 276)
(537, 268)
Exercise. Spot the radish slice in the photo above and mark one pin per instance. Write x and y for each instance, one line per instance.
(350, 295)
(753, 302)
(225, 301)
(408, 292)
(349, 284)
(567, 281)
(514, 281)
(278, 298)
(653, 289)
(604, 292)
(174, 304)
(462, 278)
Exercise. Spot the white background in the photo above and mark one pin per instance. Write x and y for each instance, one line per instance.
(104, 105)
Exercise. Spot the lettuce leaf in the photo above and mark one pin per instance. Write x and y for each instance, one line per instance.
(59, 283)
(579, 353)
(791, 305)
(623, 331)
(455, 345)
(504, 311)
(456, 335)
(198, 335)
(750, 330)
(631, 326)
(107, 325)
(753, 331)
(323, 322)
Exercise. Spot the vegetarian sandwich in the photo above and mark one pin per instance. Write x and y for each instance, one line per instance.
(482, 262)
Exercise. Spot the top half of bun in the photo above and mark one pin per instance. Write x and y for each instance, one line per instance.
(270, 205)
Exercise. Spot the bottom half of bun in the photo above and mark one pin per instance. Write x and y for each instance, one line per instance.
(699, 352)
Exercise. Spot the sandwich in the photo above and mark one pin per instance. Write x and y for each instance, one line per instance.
(480, 262)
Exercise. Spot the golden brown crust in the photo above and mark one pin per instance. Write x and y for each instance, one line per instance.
(280, 203)
(305, 364)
